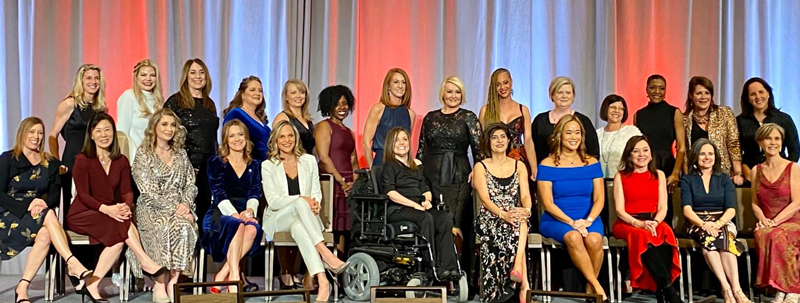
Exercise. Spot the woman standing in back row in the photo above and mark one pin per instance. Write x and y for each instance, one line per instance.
(393, 110)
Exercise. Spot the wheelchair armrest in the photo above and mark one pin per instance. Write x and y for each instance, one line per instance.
(371, 198)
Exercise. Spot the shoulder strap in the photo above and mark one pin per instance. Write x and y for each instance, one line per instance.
(759, 173)
(484, 166)
(520, 111)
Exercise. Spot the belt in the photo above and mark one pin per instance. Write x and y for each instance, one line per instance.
(447, 173)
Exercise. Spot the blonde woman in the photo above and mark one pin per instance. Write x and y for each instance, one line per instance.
(290, 179)
(137, 104)
(295, 109)
(393, 110)
(87, 98)
(165, 208)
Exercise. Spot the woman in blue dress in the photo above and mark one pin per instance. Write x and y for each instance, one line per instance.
(393, 110)
(231, 230)
(570, 184)
(248, 106)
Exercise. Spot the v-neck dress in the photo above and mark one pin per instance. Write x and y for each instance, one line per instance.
(231, 194)
(259, 132)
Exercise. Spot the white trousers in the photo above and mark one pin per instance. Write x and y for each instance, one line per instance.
(306, 231)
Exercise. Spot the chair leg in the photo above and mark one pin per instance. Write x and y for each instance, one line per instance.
(619, 276)
(336, 279)
(123, 288)
(680, 276)
(610, 275)
(48, 272)
(542, 266)
(270, 256)
(749, 273)
(549, 276)
(689, 274)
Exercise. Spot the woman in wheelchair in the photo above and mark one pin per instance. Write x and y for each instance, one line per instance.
(502, 223)
(404, 184)
(290, 179)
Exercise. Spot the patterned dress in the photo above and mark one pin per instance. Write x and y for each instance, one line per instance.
(499, 239)
(20, 183)
(778, 247)
(168, 239)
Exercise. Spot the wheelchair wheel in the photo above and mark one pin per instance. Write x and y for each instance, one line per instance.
(415, 294)
(463, 289)
(361, 276)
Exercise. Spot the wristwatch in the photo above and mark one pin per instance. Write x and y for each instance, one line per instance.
(590, 219)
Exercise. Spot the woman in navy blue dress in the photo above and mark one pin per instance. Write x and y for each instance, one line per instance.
(248, 106)
(570, 184)
(393, 110)
(231, 230)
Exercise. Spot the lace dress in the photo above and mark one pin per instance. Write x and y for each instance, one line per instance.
(443, 145)
(499, 239)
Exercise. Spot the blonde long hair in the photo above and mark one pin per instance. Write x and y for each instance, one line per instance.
(19, 143)
(99, 102)
(492, 113)
(274, 151)
(555, 140)
(137, 90)
(301, 86)
(178, 138)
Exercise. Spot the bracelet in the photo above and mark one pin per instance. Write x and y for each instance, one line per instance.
(590, 219)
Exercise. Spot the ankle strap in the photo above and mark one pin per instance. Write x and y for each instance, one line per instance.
(25, 280)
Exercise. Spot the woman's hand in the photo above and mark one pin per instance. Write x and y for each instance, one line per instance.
(119, 212)
(650, 226)
(246, 216)
(62, 169)
(36, 207)
(183, 210)
(313, 204)
(508, 217)
(766, 223)
(672, 182)
(347, 187)
(426, 205)
(712, 228)
(580, 226)
(738, 180)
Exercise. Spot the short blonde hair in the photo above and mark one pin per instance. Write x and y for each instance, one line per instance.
(455, 81)
(557, 83)
(301, 86)
(274, 152)
(766, 129)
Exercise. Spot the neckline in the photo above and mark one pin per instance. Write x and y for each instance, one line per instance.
(780, 177)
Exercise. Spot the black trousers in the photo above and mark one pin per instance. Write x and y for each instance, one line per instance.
(437, 228)
(658, 262)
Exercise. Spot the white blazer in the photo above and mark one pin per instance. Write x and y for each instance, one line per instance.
(276, 190)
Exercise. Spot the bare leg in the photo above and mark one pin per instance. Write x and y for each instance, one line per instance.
(58, 238)
(715, 262)
(41, 244)
(731, 268)
(594, 245)
(148, 265)
(234, 254)
(286, 262)
(324, 287)
(107, 259)
(173, 279)
(580, 256)
(519, 260)
(327, 256)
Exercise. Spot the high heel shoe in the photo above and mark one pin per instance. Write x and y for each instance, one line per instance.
(157, 299)
(215, 289)
(779, 297)
(740, 297)
(16, 295)
(76, 280)
(160, 272)
(85, 292)
(336, 271)
(727, 295)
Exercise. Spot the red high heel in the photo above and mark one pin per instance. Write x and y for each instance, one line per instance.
(516, 276)
(215, 289)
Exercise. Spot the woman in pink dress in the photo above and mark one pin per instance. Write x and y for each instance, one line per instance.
(775, 205)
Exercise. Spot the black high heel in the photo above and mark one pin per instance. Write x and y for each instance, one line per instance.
(160, 272)
(76, 280)
(85, 292)
(16, 295)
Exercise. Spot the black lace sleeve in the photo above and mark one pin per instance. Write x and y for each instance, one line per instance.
(421, 147)
(474, 128)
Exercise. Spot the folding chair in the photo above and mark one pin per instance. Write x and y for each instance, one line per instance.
(618, 244)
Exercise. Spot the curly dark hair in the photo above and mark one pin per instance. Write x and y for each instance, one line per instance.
(329, 98)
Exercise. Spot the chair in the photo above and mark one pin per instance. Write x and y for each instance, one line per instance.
(746, 225)
(678, 221)
(284, 239)
(305, 292)
(549, 244)
(618, 244)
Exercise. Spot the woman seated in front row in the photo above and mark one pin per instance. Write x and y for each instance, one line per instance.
(230, 229)
(290, 179)
(404, 183)
(640, 198)
(709, 204)
(572, 192)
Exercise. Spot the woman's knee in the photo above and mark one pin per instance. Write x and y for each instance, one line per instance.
(594, 242)
(573, 239)
(42, 237)
(250, 231)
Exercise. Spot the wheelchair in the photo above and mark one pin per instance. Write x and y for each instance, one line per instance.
(388, 253)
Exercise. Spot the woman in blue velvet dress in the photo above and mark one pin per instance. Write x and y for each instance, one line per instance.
(571, 188)
(248, 107)
(231, 230)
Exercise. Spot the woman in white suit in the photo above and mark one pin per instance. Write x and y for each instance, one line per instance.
(290, 179)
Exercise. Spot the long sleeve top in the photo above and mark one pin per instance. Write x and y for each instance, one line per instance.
(202, 127)
(722, 131)
(752, 154)
(259, 132)
(96, 188)
(230, 190)
(11, 168)
(164, 186)
(130, 119)
(721, 193)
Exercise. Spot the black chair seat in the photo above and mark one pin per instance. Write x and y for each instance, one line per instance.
(401, 228)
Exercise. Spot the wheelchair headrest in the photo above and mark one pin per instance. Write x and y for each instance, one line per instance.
(375, 175)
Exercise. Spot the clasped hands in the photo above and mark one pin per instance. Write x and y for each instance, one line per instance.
(766, 223)
(313, 204)
(36, 207)
(515, 215)
(712, 228)
(425, 205)
(581, 226)
(648, 225)
(246, 216)
(119, 211)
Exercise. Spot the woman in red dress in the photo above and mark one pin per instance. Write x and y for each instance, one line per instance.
(640, 197)
(775, 205)
(102, 207)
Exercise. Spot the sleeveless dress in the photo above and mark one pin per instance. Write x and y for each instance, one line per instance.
(517, 129)
(778, 247)
(390, 118)
(572, 193)
(342, 146)
(73, 132)
(656, 121)
(641, 201)
(499, 239)
(306, 134)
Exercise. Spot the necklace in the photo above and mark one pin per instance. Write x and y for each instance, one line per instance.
(607, 145)
(700, 119)
(104, 162)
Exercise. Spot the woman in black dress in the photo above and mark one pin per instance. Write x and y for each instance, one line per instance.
(29, 189)
(446, 135)
(758, 108)
(87, 98)
(295, 109)
(198, 114)
(662, 124)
